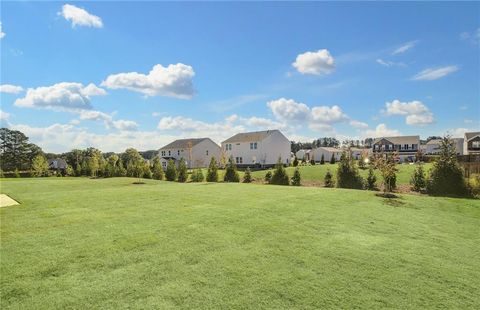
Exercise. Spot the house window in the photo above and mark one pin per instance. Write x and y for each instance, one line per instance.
(163, 153)
(253, 145)
(475, 144)
(228, 147)
(169, 153)
(164, 164)
(206, 152)
(239, 160)
(178, 152)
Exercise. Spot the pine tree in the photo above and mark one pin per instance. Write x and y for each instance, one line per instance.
(332, 160)
(280, 176)
(247, 177)
(157, 169)
(268, 176)
(295, 161)
(329, 179)
(322, 160)
(212, 172)
(171, 172)
(296, 178)
(197, 175)
(231, 174)
(418, 181)
(347, 173)
(371, 179)
(182, 171)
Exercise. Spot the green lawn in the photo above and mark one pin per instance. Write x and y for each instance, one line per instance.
(78, 243)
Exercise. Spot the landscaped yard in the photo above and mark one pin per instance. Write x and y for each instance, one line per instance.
(106, 243)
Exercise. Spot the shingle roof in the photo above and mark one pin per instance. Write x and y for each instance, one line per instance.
(470, 135)
(57, 163)
(400, 139)
(250, 136)
(183, 143)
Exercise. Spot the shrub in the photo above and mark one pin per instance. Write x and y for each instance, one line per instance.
(231, 174)
(171, 172)
(182, 171)
(247, 177)
(371, 179)
(280, 176)
(329, 180)
(296, 178)
(312, 162)
(197, 176)
(322, 160)
(474, 184)
(386, 164)
(418, 181)
(39, 166)
(295, 161)
(212, 172)
(69, 171)
(268, 176)
(157, 169)
(332, 160)
(446, 176)
(147, 172)
(347, 173)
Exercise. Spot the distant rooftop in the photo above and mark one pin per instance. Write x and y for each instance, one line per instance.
(183, 143)
(249, 136)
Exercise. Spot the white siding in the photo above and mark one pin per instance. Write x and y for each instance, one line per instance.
(197, 157)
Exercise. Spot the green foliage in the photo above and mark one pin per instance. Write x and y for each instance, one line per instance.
(322, 160)
(247, 176)
(171, 172)
(16, 151)
(182, 171)
(332, 160)
(446, 176)
(312, 162)
(69, 171)
(147, 171)
(17, 173)
(280, 176)
(295, 161)
(418, 180)
(347, 173)
(212, 172)
(197, 176)
(296, 178)
(231, 174)
(371, 179)
(328, 181)
(157, 169)
(474, 184)
(385, 163)
(1, 173)
(268, 176)
(39, 166)
(361, 162)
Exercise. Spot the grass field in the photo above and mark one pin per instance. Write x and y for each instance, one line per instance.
(106, 243)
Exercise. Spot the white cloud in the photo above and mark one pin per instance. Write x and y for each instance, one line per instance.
(4, 116)
(387, 63)
(318, 63)
(10, 89)
(404, 47)
(108, 120)
(328, 115)
(434, 73)
(62, 96)
(80, 17)
(358, 124)
(473, 37)
(2, 34)
(381, 131)
(415, 111)
(289, 110)
(172, 81)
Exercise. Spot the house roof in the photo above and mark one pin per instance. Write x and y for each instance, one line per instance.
(470, 135)
(183, 143)
(57, 163)
(400, 139)
(250, 136)
(330, 149)
(437, 141)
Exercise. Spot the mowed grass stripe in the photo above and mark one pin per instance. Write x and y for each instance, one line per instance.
(81, 243)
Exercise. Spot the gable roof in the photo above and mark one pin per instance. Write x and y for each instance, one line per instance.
(57, 163)
(250, 136)
(183, 143)
(400, 139)
(470, 135)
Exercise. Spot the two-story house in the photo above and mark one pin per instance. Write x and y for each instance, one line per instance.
(471, 144)
(405, 146)
(432, 147)
(196, 152)
(259, 148)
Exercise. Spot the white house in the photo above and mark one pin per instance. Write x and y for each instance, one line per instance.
(259, 148)
(303, 155)
(471, 145)
(432, 147)
(327, 153)
(406, 146)
(196, 152)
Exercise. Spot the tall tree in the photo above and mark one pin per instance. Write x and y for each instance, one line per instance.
(39, 166)
(157, 168)
(15, 150)
(212, 172)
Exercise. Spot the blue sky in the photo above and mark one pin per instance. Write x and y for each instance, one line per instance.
(349, 70)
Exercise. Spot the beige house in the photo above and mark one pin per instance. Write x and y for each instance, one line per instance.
(471, 145)
(303, 155)
(259, 148)
(196, 152)
(406, 146)
(432, 147)
(327, 153)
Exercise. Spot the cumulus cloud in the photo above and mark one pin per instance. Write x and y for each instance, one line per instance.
(317, 63)
(10, 89)
(172, 81)
(289, 110)
(358, 124)
(62, 96)
(2, 34)
(404, 47)
(381, 131)
(108, 120)
(415, 111)
(328, 115)
(431, 74)
(80, 17)
(4, 116)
